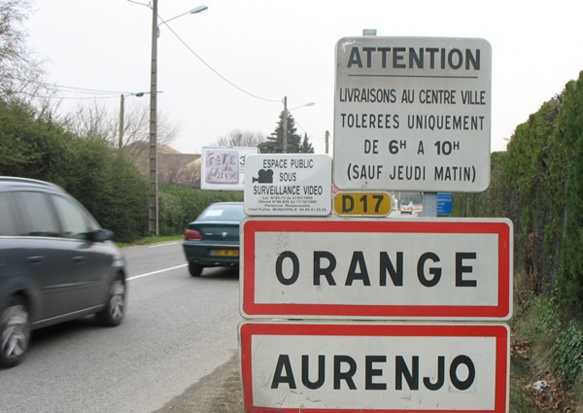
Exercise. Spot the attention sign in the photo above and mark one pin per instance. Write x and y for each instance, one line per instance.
(381, 368)
(412, 114)
(438, 268)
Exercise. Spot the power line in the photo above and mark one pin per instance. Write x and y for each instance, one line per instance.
(203, 61)
(79, 97)
(81, 90)
(216, 72)
(227, 80)
(305, 131)
(96, 93)
(86, 90)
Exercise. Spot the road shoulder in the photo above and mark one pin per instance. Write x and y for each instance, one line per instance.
(217, 392)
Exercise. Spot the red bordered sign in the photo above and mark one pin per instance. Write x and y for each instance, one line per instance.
(440, 268)
(381, 368)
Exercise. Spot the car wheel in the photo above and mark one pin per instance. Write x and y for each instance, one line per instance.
(14, 332)
(194, 269)
(112, 314)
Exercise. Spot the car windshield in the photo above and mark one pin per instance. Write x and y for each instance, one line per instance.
(224, 212)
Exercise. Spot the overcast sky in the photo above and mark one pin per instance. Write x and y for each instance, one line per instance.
(268, 49)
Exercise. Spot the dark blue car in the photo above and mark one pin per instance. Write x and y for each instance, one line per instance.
(212, 240)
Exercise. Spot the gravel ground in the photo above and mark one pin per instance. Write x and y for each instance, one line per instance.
(219, 392)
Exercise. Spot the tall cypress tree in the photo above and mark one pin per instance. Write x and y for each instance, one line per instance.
(306, 146)
(274, 142)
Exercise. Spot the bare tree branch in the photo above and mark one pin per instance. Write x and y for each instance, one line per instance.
(239, 139)
(20, 72)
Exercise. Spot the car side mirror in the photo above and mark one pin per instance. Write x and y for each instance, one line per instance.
(101, 235)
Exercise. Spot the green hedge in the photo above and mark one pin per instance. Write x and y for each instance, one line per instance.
(180, 205)
(538, 184)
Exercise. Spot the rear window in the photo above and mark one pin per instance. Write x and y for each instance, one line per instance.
(222, 213)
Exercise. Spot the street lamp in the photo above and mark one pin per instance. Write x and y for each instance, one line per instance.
(198, 9)
(285, 112)
(153, 201)
(121, 114)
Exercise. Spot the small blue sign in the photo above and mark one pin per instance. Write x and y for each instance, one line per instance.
(444, 202)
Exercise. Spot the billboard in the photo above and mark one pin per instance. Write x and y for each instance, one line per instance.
(223, 168)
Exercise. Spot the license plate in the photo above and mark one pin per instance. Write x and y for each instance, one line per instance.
(225, 253)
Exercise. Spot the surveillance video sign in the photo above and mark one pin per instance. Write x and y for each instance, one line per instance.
(288, 184)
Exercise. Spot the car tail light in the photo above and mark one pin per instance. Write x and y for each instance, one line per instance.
(192, 234)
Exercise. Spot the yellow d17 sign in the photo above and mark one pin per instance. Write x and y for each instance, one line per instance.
(362, 203)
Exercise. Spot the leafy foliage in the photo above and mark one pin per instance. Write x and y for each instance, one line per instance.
(538, 184)
(570, 125)
(32, 145)
(568, 351)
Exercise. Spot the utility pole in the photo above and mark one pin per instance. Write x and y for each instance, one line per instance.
(285, 124)
(153, 202)
(121, 116)
(153, 221)
(327, 140)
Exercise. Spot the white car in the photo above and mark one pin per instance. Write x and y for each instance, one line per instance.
(406, 209)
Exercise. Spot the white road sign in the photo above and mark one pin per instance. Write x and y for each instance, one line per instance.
(440, 268)
(356, 367)
(412, 113)
(288, 184)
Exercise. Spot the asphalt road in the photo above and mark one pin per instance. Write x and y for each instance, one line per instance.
(177, 330)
